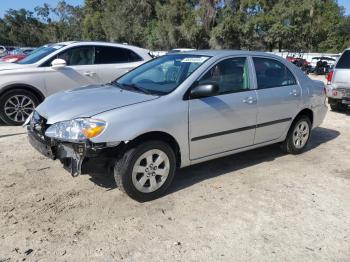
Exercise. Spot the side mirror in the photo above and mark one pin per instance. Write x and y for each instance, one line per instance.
(58, 63)
(204, 90)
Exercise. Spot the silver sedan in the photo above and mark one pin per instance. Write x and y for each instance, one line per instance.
(178, 110)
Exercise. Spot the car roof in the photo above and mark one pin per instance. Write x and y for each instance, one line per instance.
(98, 43)
(228, 52)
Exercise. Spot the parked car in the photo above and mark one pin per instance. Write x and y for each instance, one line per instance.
(62, 66)
(302, 63)
(338, 88)
(322, 65)
(22, 50)
(178, 110)
(12, 58)
(17, 55)
(3, 51)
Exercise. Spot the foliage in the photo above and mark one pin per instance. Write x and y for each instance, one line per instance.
(298, 25)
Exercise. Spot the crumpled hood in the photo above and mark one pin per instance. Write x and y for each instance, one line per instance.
(87, 101)
(10, 66)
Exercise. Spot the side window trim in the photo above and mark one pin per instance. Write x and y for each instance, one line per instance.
(251, 87)
(140, 59)
(44, 64)
(278, 61)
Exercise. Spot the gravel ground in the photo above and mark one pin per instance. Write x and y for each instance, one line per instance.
(259, 205)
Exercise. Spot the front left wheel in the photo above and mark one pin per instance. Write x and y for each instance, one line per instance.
(145, 171)
(16, 105)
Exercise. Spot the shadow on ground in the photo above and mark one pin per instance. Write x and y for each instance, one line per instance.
(189, 176)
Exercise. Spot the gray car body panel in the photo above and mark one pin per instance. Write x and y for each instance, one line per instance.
(185, 120)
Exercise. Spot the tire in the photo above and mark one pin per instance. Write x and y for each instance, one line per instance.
(296, 141)
(138, 185)
(338, 107)
(17, 104)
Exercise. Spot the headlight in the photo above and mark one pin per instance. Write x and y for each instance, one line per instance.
(76, 130)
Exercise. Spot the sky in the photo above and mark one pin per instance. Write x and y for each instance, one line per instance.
(30, 4)
(346, 4)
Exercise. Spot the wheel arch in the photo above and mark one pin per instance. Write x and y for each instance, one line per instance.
(31, 88)
(306, 112)
(158, 135)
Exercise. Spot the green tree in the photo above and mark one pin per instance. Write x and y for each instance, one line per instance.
(93, 16)
(22, 28)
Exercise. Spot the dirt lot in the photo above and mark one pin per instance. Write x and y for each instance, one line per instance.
(259, 205)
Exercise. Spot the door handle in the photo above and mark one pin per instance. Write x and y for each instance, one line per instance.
(89, 73)
(294, 92)
(249, 100)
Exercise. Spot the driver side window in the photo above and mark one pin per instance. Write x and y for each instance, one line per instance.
(230, 75)
(84, 55)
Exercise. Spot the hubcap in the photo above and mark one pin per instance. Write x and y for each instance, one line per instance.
(18, 108)
(301, 134)
(150, 171)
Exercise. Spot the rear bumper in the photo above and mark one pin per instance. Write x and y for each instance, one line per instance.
(72, 155)
(337, 93)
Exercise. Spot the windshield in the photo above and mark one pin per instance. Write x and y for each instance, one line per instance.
(162, 75)
(39, 54)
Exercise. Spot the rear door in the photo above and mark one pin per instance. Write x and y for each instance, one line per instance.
(115, 61)
(279, 98)
(341, 76)
(225, 121)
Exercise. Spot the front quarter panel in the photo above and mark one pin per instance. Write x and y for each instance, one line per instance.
(30, 76)
(165, 114)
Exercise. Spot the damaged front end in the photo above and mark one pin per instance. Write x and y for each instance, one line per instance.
(71, 154)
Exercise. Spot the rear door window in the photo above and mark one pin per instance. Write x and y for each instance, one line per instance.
(344, 61)
(271, 73)
(113, 55)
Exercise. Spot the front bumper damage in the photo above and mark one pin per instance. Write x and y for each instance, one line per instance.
(72, 155)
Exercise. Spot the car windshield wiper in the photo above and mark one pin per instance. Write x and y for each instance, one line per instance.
(134, 87)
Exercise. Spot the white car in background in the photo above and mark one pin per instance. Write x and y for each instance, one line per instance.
(61, 66)
(338, 88)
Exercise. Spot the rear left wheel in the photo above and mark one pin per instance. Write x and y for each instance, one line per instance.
(298, 136)
(16, 105)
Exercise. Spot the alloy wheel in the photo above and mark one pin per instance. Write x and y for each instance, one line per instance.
(19, 107)
(301, 134)
(150, 171)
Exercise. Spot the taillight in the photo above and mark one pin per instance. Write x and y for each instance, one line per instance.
(329, 77)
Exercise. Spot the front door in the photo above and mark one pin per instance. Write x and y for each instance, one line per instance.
(278, 99)
(81, 70)
(225, 121)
